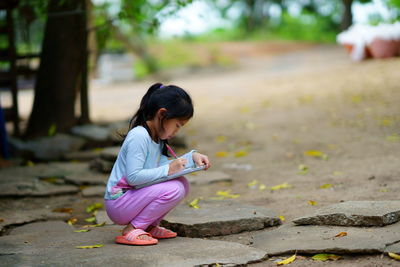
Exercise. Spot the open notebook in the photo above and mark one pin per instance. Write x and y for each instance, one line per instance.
(172, 176)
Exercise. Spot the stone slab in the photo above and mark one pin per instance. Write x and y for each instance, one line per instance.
(355, 213)
(31, 180)
(321, 239)
(23, 186)
(208, 177)
(110, 153)
(94, 191)
(92, 132)
(53, 244)
(101, 216)
(219, 217)
(86, 155)
(87, 178)
(101, 165)
(13, 218)
(80, 173)
(49, 148)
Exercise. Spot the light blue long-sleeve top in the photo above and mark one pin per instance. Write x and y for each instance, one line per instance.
(139, 161)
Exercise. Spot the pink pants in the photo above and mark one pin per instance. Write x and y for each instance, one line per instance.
(148, 205)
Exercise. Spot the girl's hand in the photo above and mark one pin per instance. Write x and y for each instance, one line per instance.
(177, 165)
(201, 160)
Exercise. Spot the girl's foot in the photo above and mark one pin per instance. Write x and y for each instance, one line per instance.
(136, 237)
(130, 228)
(160, 232)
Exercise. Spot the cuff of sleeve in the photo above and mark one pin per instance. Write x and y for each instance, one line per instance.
(190, 158)
(166, 169)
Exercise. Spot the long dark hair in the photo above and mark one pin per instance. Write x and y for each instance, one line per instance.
(173, 98)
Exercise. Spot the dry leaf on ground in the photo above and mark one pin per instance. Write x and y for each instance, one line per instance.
(325, 257)
(341, 234)
(287, 261)
(394, 256)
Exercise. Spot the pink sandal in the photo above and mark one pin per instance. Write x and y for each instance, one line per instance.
(131, 238)
(161, 233)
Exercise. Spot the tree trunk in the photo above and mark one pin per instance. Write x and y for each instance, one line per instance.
(62, 59)
(347, 18)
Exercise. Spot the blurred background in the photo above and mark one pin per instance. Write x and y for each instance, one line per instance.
(78, 62)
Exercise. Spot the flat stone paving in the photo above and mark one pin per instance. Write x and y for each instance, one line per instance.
(110, 153)
(94, 191)
(54, 244)
(290, 238)
(47, 179)
(219, 217)
(208, 177)
(355, 213)
(12, 218)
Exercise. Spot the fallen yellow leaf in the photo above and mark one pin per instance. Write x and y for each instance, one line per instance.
(394, 256)
(386, 122)
(72, 221)
(226, 194)
(393, 138)
(312, 202)
(245, 109)
(195, 203)
(82, 230)
(287, 261)
(341, 234)
(30, 163)
(262, 187)
(94, 225)
(280, 186)
(240, 153)
(325, 186)
(356, 99)
(316, 154)
(91, 246)
(325, 257)
(221, 154)
(303, 169)
(94, 207)
(252, 183)
(91, 219)
(52, 130)
(282, 218)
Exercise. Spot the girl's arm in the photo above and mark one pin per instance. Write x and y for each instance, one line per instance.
(135, 159)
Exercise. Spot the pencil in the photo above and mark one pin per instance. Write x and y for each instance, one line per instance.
(171, 151)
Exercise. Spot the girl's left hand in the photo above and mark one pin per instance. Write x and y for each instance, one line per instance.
(201, 160)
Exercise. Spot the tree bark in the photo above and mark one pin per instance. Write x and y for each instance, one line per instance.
(347, 18)
(62, 59)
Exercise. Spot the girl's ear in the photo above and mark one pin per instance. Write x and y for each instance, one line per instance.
(162, 112)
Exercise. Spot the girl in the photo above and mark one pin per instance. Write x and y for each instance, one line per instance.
(142, 159)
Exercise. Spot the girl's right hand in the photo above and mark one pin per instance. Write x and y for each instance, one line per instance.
(177, 165)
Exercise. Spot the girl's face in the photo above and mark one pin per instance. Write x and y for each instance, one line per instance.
(171, 128)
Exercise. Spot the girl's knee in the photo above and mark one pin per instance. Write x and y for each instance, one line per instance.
(175, 190)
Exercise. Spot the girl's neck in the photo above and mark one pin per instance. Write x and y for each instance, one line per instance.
(153, 131)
